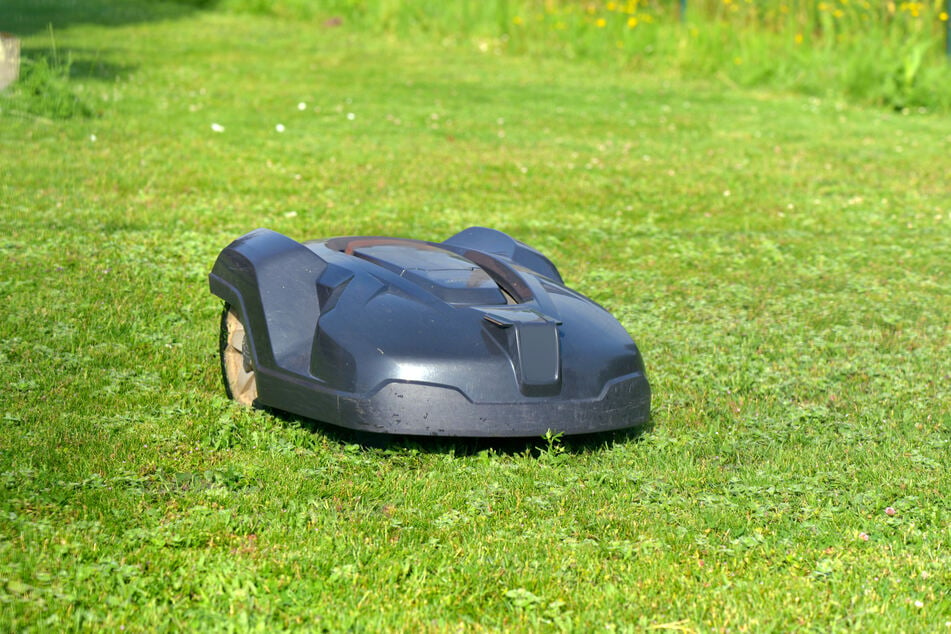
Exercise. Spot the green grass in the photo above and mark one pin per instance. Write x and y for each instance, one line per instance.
(782, 261)
(885, 53)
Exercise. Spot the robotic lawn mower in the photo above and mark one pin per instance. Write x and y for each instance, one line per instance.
(476, 336)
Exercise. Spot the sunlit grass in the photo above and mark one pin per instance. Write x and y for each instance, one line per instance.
(782, 262)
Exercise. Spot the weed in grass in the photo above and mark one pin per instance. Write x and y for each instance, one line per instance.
(44, 90)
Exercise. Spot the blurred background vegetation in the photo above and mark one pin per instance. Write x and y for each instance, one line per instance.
(881, 52)
(886, 52)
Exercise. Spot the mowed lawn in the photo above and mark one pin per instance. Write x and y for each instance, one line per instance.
(783, 262)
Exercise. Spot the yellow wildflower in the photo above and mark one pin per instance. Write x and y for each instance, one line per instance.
(601, 23)
(517, 20)
(631, 22)
(943, 16)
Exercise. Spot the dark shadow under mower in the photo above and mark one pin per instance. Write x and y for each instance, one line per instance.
(476, 336)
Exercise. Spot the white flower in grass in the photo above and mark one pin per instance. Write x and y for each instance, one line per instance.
(351, 116)
(302, 106)
(280, 127)
(217, 127)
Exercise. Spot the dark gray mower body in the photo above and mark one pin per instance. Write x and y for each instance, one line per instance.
(476, 336)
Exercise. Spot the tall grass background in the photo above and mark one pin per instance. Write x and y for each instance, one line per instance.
(889, 53)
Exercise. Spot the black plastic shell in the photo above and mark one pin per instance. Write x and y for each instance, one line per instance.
(476, 336)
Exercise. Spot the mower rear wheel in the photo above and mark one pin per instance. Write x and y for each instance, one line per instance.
(236, 368)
